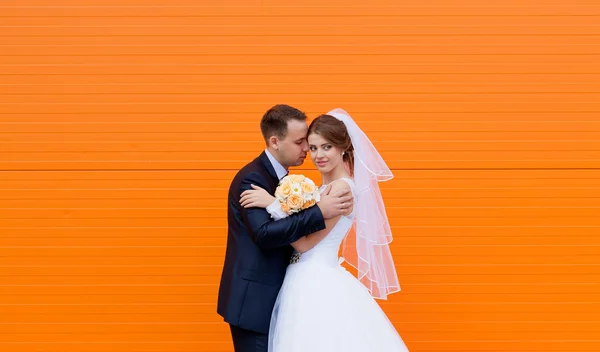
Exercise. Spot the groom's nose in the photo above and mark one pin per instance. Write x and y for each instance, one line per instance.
(305, 146)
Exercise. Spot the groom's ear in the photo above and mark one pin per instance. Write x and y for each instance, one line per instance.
(274, 142)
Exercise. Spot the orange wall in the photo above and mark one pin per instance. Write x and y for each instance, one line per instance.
(122, 123)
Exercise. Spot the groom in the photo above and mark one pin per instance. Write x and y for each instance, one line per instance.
(258, 248)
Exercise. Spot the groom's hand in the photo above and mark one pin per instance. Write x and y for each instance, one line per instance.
(336, 203)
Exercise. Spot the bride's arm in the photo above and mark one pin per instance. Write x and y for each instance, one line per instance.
(260, 198)
(309, 241)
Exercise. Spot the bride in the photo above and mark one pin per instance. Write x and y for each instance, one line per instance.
(321, 307)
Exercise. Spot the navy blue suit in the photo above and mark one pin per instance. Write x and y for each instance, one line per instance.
(257, 255)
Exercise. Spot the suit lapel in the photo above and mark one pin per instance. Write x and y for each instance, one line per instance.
(264, 159)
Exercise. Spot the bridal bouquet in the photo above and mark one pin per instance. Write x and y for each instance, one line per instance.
(296, 193)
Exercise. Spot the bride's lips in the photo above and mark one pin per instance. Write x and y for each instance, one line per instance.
(321, 163)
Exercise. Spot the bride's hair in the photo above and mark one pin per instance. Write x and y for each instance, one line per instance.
(336, 133)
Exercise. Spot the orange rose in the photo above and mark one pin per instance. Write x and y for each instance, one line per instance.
(296, 178)
(309, 204)
(285, 208)
(307, 187)
(285, 189)
(295, 202)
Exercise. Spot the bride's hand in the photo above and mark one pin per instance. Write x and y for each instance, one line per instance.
(256, 198)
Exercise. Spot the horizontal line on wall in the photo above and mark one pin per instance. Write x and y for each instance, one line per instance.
(273, 74)
(150, 54)
(309, 35)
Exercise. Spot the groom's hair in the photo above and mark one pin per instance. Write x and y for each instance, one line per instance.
(275, 120)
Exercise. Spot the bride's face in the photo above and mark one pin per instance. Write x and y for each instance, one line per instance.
(323, 154)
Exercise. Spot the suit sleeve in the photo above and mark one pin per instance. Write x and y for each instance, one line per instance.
(269, 234)
(276, 211)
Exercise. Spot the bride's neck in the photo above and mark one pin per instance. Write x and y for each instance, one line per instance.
(336, 173)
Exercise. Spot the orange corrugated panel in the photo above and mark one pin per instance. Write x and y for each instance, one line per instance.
(123, 122)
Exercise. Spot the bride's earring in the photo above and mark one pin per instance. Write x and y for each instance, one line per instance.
(343, 153)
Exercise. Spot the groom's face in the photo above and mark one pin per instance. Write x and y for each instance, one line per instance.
(294, 147)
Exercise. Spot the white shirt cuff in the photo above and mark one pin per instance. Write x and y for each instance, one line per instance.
(275, 210)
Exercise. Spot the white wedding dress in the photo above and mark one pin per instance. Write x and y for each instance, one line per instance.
(323, 308)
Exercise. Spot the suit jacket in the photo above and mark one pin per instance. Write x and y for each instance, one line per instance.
(258, 250)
